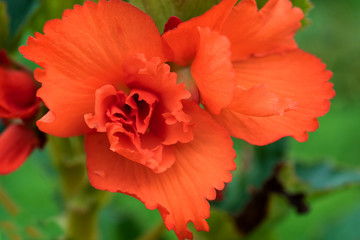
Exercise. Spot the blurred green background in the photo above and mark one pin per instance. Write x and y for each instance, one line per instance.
(287, 190)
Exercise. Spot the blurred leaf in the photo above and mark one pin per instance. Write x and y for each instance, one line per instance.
(222, 226)
(257, 165)
(127, 218)
(50, 10)
(19, 12)
(324, 177)
(338, 144)
(277, 209)
(330, 216)
(4, 25)
(305, 6)
(159, 10)
(32, 206)
(264, 160)
(187, 9)
(256, 211)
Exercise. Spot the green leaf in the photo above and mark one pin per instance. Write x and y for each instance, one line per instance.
(325, 177)
(50, 10)
(4, 25)
(19, 12)
(187, 9)
(222, 226)
(257, 165)
(29, 205)
(159, 10)
(338, 144)
(334, 216)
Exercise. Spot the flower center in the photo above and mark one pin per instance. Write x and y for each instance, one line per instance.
(126, 119)
(184, 76)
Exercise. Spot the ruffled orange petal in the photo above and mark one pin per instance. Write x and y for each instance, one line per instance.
(183, 39)
(17, 94)
(168, 121)
(180, 192)
(259, 32)
(17, 142)
(82, 52)
(212, 70)
(298, 79)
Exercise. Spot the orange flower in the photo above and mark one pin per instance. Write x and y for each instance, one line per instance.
(104, 76)
(248, 71)
(17, 100)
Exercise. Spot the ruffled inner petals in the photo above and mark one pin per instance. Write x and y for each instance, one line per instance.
(169, 121)
(126, 119)
(180, 192)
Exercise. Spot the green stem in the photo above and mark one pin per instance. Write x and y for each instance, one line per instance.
(82, 201)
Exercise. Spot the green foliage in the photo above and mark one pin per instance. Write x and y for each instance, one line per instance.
(18, 12)
(337, 138)
(330, 218)
(161, 10)
(4, 25)
(28, 201)
(187, 9)
(324, 177)
(50, 10)
(257, 164)
(221, 225)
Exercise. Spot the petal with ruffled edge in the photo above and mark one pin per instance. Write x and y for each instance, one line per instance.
(212, 70)
(82, 52)
(183, 39)
(17, 142)
(155, 77)
(260, 32)
(17, 95)
(180, 192)
(298, 79)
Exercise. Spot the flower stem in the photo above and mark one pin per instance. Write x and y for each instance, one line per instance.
(82, 201)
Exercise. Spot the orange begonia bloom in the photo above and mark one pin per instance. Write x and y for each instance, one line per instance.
(249, 72)
(104, 75)
(17, 100)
